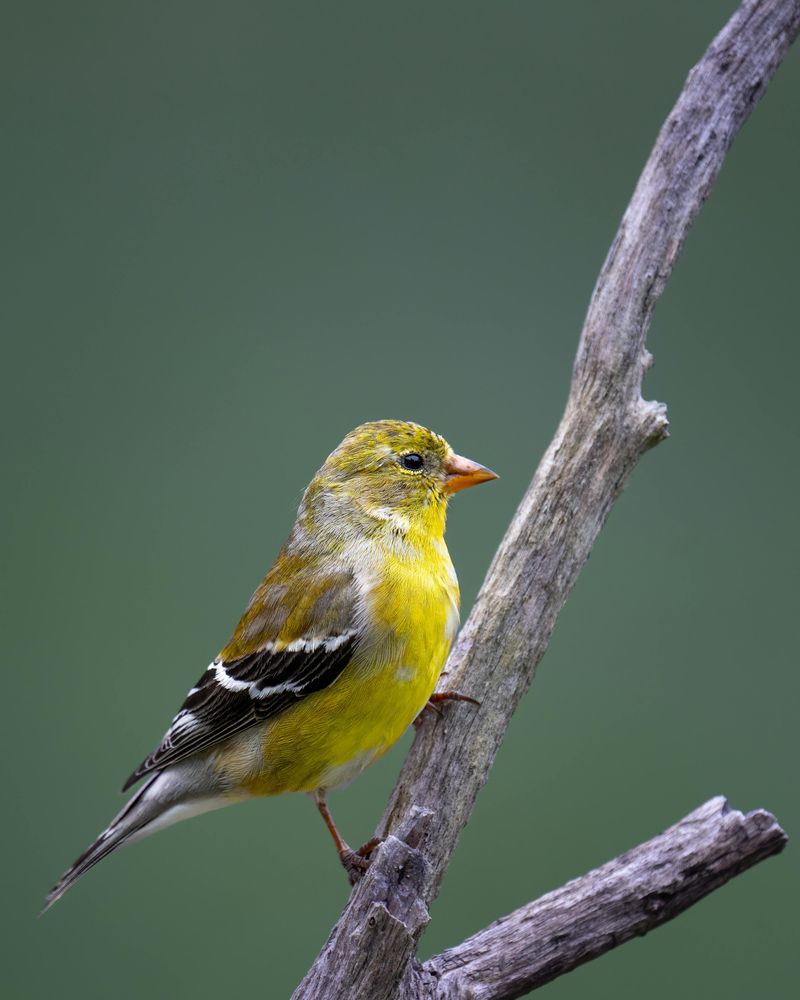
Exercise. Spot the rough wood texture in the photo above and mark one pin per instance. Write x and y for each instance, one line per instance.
(606, 427)
(369, 951)
(590, 915)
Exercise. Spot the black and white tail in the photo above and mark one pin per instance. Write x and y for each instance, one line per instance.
(165, 798)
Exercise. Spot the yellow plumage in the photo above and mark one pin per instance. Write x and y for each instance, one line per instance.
(328, 737)
(337, 653)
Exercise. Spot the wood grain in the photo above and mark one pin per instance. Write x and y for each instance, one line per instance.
(626, 898)
(606, 427)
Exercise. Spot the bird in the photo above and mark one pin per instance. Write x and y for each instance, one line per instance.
(337, 653)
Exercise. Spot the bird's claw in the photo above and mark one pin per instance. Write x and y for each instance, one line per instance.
(439, 696)
(366, 849)
(355, 863)
(436, 699)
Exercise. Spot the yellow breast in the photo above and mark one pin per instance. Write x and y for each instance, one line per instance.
(411, 611)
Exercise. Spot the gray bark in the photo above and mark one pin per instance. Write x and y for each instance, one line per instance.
(606, 427)
(625, 898)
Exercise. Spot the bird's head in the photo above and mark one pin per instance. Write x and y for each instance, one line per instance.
(399, 472)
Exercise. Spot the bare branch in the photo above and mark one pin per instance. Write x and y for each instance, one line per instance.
(380, 927)
(606, 427)
(589, 916)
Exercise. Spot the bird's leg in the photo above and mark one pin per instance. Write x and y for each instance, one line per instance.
(355, 863)
(438, 698)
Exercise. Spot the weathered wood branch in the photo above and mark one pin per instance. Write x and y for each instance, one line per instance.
(606, 427)
(589, 916)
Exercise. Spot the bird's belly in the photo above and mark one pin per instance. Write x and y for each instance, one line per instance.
(328, 738)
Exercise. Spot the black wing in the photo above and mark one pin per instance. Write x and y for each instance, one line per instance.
(233, 696)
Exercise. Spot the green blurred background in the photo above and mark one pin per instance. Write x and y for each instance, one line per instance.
(232, 232)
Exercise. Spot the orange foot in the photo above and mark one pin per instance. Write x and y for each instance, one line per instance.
(438, 698)
(355, 863)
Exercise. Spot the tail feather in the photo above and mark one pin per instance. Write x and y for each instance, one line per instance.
(165, 798)
(115, 835)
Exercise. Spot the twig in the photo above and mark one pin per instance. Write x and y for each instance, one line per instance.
(625, 898)
(605, 429)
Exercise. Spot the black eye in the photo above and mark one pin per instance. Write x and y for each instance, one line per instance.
(412, 461)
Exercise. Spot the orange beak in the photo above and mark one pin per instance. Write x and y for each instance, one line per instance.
(461, 473)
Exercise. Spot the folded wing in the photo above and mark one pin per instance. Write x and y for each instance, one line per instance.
(256, 676)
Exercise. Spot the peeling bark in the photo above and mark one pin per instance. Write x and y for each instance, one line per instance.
(606, 427)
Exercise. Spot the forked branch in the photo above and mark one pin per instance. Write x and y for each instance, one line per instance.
(606, 427)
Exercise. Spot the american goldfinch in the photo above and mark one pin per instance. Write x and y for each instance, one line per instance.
(338, 651)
